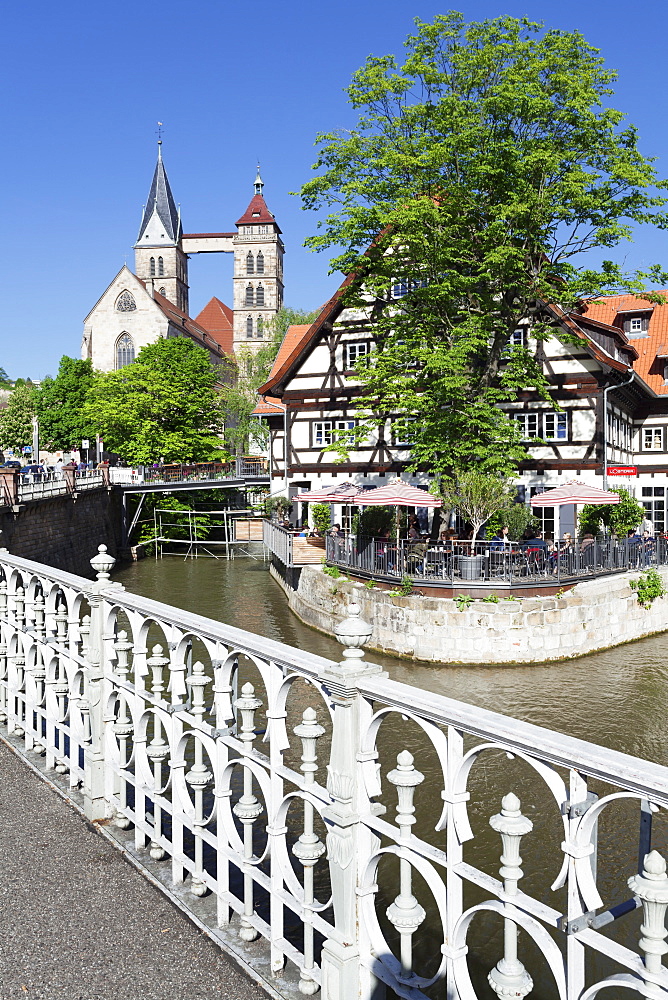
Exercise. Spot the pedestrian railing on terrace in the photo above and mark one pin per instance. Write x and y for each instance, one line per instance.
(278, 541)
(206, 747)
(38, 485)
(241, 468)
(489, 562)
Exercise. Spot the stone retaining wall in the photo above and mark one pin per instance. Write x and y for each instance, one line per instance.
(64, 531)
(595, 614)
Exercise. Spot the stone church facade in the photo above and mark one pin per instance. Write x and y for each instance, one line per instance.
(139, 307)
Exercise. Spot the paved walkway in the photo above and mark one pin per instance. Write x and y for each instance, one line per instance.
(78, 922)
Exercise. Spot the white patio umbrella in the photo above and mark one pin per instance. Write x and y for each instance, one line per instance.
(398, 494)
(574, 493)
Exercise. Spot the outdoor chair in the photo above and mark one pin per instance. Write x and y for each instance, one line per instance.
(416, 558)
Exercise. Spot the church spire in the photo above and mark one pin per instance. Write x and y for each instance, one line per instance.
(160, 202)
(259, 183)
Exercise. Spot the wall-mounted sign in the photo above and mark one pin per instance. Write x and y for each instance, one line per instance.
(622, 470)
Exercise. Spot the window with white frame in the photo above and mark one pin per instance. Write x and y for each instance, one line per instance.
(402, 436)
(555, 426)
(636, 326)
(353, 350)
(518, 337)
(528, 425)
(323, 432)
(652, 438)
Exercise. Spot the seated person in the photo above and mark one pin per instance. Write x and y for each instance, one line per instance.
(501, 540)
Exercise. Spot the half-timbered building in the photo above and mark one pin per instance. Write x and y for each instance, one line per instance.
(606, 419)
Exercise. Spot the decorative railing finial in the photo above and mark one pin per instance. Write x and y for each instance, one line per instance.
(102, 563)
(353, 632)
(651, 887)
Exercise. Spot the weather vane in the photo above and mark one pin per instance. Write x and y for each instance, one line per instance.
(159, 131)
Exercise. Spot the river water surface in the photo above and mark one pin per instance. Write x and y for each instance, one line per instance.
(617, 698)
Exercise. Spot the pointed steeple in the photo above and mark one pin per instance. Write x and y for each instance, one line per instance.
(259, 183)
(257, 211)
(160, 203)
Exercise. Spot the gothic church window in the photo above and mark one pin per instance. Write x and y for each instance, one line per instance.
(260, 263)
(250, 264)
(249, 326)
(250, 299)
(125, 350)
(152, 267)
(161, 266)
(259, 296)
(125, 302)
(259, 326)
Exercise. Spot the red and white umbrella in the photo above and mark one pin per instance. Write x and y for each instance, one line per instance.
(574, 493)
(342, 493)
(398, 493)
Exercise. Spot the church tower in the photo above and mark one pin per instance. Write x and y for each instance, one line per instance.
(258, 272)
(159, 258)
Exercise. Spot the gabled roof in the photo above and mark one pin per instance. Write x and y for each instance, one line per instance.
(649, 364)
(268, 406)
(160, 199)
(257, 212)
(182, 321)
(299, 337)
(218, 320)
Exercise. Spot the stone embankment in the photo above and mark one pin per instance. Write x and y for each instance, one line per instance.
(595, 614)
(63, 531)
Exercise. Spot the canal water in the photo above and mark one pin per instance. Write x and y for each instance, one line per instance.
(617, 698)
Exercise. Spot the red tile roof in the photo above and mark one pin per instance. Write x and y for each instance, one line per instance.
(182, 321)
(267, 406)
(218, 320)
(648, 365)
(257, 212)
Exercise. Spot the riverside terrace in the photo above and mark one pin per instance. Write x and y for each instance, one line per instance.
(474, 566)
(197, 749)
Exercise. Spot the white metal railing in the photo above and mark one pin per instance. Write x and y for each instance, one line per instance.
(207, 743)
(86, 479)
(278, 541)
(125, 477)
(35, 486)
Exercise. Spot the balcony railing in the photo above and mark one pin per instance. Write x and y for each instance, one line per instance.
(203, 747)
(492, 562)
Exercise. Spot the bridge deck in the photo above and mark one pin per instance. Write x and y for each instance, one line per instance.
(79, 923)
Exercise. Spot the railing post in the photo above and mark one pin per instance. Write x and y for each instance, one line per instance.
(9, 482)
(95, 805)
(349, 842)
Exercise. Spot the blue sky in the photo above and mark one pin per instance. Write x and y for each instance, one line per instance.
(84, 85)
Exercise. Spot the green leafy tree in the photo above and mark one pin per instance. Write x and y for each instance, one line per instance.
(163, 405)
(479, 172)
(618, 518)
(5, 380)
(517, 518)
(240, 396)
(16, 417)
(60, 403)
(476, 495)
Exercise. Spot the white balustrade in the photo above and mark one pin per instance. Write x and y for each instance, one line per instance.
(102, 689)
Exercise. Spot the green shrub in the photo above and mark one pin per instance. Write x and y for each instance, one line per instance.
(406, 586)
(463, 601)
(373, 521)
(333, 571)
(618, 518)
(491, 599)
(648, 587)
(322, 516)
(370, 584)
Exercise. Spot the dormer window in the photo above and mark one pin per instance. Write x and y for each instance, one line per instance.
(636, 323)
